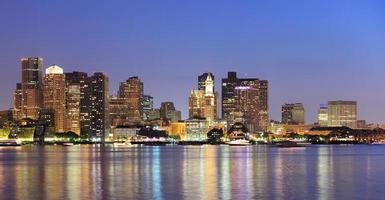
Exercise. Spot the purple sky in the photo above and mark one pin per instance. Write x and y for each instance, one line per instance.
(310, 51)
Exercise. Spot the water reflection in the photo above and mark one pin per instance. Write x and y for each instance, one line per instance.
(191, 172)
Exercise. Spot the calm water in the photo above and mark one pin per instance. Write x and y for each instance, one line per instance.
(192, 172)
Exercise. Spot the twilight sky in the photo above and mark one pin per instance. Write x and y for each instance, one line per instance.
(310, 51)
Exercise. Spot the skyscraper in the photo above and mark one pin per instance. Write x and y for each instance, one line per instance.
(132, 92)
(342, 113)
(78, 102)
(247, 104)
(203, 103)
(29, 103)
(54, 95)
(73, 108)
(246, 101)
(99, 104)
(228, 96)
(293, 113)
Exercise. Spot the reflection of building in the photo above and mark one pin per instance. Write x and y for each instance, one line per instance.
(342, 113)
(323, 115)
(293, 113)
(203, 103)
(29, 103)
(147, 106)
(245, 101)
(54, 95)
(196, 129)
(99, 100)
(168, 111)
(132, 91)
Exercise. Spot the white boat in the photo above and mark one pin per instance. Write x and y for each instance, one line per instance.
(240, 142)
(378, 142)
(10, 142)
(68, 144)
(123, 144)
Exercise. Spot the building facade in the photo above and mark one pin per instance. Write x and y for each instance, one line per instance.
(323, 115)
(196, 129)
(168, 112)
(203, 103)
(293, 113)
(197, 104)
(78, 102)
(54, 95)
(28, 104)
(245, 101)
(132, 92)
(147, 106)
(342, 113)
(99, 104)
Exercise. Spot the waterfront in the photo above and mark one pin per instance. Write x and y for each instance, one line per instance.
(192, 172)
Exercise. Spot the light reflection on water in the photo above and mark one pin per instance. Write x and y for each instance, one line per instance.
(192, 172)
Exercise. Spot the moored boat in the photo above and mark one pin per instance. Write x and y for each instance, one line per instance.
(10, 142)
(123, 144)
(68, 144)
(378, 142)
(240, 142)
(293, 143)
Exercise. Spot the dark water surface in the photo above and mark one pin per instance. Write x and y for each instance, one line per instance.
(192, 172)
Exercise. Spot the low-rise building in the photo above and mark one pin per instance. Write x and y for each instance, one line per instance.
(196, 129)
(124, 132)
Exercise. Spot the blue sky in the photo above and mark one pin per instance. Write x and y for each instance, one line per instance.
(310, 51)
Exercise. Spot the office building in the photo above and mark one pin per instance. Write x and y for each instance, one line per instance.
(323, 115)
(168, 112)
(118, 109)
(293, 113)
(342, 113)
(99, 104)
(203, 103)
(196, 129)
(197, 104)
(147, 106)
(28, 104)
(132, 92)
(246, 101)
(54, 95)
(17, 102)
(78, 102)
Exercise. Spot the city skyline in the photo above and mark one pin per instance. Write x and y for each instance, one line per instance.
(44, 71)
(340, 58)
